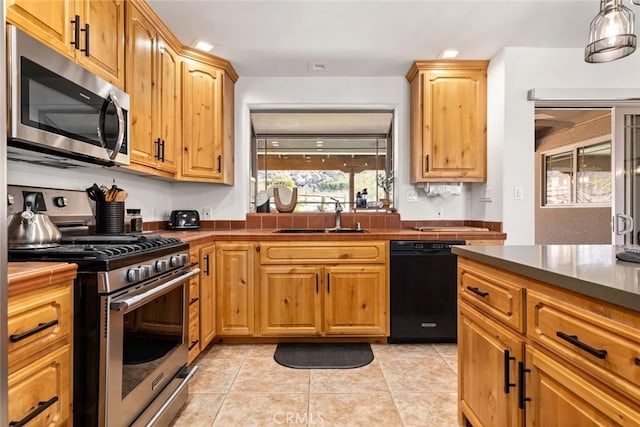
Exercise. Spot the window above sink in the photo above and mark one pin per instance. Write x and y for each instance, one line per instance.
(325, 154)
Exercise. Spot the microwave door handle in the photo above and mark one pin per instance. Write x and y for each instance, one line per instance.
(121, 125)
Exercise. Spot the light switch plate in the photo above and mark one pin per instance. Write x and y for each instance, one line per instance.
(518, 192)
(412, 196)
(207, 213)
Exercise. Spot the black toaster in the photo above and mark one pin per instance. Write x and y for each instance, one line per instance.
(184, 220)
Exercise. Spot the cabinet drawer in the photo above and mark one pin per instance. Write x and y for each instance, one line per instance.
(42, 389)
(194, 331)
(323, 252)
(194, 254)
(601, 346)
(36, 320)
(492, 291)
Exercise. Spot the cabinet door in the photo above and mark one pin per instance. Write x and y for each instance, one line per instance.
(356, 300)
(290, 300)
(43, 389)
(194, 318)
(202, 122)
(106, 38)
(561, 396)
(167, 118)
(47, 21)
(235, 278)
(207, 295)
(482, 355)
(141, 48)
(454, 124)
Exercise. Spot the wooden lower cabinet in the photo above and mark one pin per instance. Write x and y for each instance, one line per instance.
(323, 289)
(561, 396)
(207, 295)
(543, 380)
(40, 358)
(235, 272)
(485, 351)
(356, 300)
(290, 300)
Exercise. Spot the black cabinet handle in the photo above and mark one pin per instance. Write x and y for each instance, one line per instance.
(157, 144)
(317, 289)
(328, 283)
(478, 292)
(206, 265)
(426, 163)
(637, 361)
(573, 339)
(42, 406)
(193, 300)
(76, 32)
(507, 382)
(522, 396)
(40, 327)
(193, 344)
(219, 163)
(162, 145)
(86, 40)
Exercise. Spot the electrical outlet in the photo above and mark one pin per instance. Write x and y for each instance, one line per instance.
(439, 212)
(207, 213)
(412, 196)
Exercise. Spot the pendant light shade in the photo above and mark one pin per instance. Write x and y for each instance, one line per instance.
(611, 35)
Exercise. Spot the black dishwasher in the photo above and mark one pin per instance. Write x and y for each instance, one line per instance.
(423, 276)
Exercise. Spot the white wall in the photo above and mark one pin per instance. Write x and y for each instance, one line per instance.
(511, 133)
(317, 93)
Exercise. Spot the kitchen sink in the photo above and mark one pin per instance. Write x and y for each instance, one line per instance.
(320, 230)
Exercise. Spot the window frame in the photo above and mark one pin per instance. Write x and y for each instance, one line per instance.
(573, 148)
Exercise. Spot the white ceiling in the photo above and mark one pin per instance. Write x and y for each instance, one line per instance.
(370, 38)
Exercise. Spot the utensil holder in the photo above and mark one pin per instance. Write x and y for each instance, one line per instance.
(110, 217)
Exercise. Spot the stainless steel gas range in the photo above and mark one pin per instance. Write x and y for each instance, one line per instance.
(130, 316)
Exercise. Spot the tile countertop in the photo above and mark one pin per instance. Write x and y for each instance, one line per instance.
(590, 270)
(204, 235)
(27, 276)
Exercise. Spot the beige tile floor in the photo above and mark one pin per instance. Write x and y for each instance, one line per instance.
(405, 385)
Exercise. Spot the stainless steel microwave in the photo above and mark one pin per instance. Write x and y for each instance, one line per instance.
(61, 114)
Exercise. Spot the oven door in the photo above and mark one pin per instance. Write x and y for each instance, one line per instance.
(145, 344)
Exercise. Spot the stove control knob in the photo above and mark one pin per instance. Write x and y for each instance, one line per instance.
(175, 261)
(146, 271)
(133, 274)
(61, 201)
(184, 258)
(161, 266)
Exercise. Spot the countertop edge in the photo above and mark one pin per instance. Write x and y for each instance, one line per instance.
(620, 297)
(28, 276)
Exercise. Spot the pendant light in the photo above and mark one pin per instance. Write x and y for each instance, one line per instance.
(611, 35)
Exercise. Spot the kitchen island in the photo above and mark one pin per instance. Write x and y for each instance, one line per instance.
(548, 335)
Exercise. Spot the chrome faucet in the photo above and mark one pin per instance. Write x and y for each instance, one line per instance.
(339, 208)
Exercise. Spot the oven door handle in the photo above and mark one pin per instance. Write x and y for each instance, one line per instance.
(134, 302)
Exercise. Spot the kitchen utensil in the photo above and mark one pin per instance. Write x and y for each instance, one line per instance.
(184, 220)
(30, 230)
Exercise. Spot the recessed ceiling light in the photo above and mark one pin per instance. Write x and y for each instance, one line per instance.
(449, 53)
(204, 46)
(275, 143)
(319, 143)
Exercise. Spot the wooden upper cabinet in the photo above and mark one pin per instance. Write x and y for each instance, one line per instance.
(208, 108)
(153, 85)
(106, 38)
(53, 22)
(202, 128)
(448, 121)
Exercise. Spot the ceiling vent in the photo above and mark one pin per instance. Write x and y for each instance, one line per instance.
(318, 67)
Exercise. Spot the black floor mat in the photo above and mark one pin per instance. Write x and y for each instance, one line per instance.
(323, 355)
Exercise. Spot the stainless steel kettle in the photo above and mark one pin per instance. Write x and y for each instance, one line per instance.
(31, 230)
